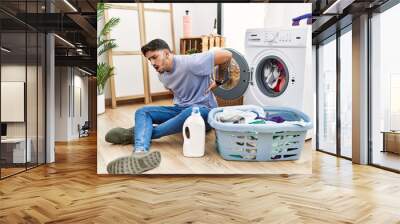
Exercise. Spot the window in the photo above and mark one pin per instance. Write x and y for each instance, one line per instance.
(327, 97)
(22, 77)
(334, 94)
(346, 93)
(385, 89)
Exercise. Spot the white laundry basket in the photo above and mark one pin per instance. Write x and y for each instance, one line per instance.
(261, 142)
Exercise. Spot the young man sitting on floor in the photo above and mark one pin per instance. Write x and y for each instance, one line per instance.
(189, 78)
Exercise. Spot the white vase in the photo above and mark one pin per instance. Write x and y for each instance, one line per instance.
(101, 105)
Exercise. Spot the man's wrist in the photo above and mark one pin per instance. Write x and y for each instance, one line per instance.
(219, 82)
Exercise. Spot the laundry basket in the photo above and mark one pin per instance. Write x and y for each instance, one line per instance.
(261, 142)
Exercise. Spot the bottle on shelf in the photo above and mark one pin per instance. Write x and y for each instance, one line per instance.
(187, 24)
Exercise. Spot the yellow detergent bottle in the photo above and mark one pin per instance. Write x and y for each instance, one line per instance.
(194, 135)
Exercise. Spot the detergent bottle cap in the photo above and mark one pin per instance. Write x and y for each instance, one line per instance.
(195, 110)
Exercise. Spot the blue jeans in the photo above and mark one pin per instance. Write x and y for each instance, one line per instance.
(168, 119)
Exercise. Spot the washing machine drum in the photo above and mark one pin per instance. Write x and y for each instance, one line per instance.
(233, 76)
(272, 76)
(237, 80)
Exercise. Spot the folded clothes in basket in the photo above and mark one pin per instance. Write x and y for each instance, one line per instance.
(236, 116)
(246, 117)
(263, 120)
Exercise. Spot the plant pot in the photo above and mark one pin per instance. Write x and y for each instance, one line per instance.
(101, 104)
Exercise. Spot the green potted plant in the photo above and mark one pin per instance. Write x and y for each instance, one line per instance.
(104, 70)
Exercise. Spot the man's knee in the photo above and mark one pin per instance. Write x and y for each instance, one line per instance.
(143, 110)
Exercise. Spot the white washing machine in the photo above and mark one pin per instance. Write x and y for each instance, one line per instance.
(272, 71)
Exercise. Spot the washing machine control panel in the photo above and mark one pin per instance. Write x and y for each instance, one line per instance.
(269, 37)
(276, 38)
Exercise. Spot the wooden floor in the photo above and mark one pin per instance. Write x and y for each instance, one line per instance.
(10, 171)
(173, 161)
(387, 159)
(70, 191)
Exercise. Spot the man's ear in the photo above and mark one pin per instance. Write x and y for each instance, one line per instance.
(167, 53)
(147, 55)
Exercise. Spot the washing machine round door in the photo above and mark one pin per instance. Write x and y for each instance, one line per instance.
(237, 80)
(272, 76)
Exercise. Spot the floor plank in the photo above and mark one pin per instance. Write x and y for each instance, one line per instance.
(387, 159)
(173, 161)
(70, 191)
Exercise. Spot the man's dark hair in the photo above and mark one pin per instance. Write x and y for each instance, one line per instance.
(155, 45)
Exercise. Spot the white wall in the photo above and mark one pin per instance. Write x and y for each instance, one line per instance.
(80, 84)
(67, 85)
(12, 93)
(281, 14)
(203, 15)
(34, 124)
(61, 103)
(236, 18)
(12, 73)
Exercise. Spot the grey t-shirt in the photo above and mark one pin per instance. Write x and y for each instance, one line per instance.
(190, 78)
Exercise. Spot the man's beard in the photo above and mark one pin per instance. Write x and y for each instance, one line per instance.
(164, 62)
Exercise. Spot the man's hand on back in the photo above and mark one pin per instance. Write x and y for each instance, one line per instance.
(223, 60)
(213, 85)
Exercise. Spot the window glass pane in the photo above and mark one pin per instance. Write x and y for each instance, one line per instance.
(385, 84)
(327, 97)
(13, 85)
(346, 94)
(41, 98)
(22, 87)
(31, 97)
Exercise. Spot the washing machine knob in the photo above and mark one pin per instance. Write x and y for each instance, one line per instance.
(269, 37)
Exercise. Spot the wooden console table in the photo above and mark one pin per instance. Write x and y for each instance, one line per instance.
(391, 141)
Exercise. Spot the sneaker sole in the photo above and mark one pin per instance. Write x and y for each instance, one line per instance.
(134, 164)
